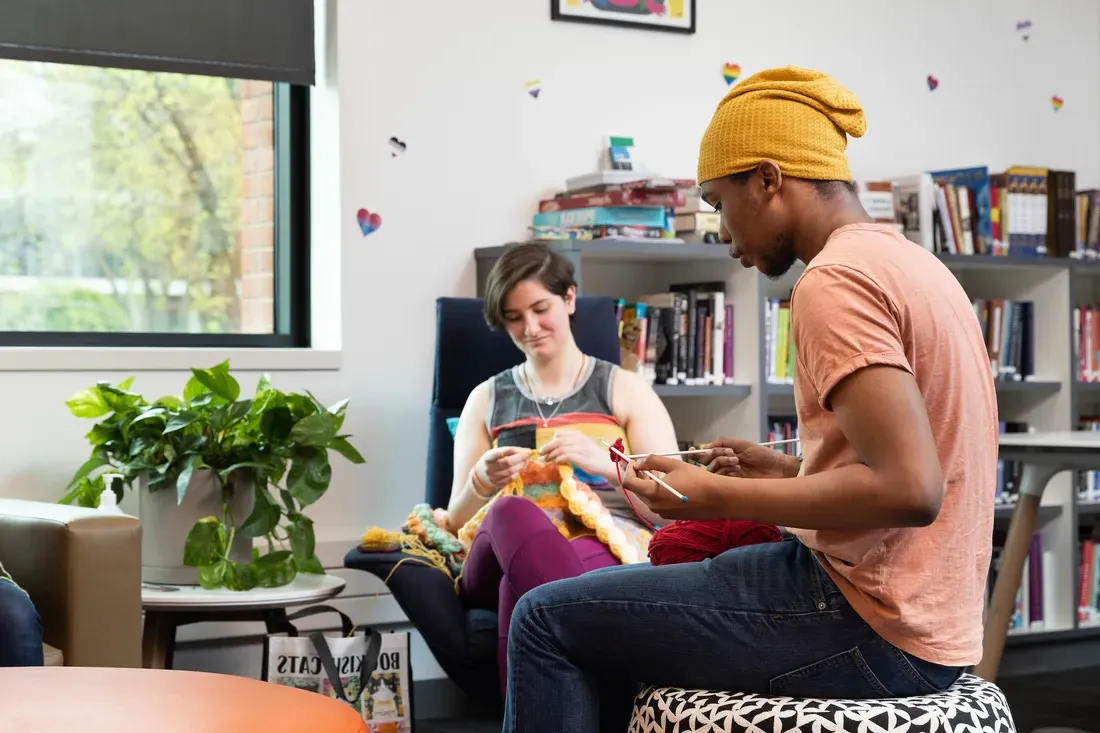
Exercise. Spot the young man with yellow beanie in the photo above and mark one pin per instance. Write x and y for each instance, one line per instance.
(880, 591)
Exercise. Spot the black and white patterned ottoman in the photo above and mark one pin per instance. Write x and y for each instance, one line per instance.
(971, 705)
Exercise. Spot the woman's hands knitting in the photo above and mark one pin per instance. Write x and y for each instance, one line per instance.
(576, 448)
(498, 466)
(746, 459)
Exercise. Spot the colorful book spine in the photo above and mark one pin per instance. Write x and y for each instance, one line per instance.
(638, 197)
(645, 216)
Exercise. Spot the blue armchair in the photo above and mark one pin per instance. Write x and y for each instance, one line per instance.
(467, 353)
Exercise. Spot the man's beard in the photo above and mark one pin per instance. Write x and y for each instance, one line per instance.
(778, 258)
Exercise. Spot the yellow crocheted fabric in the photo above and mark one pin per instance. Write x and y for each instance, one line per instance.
(797, 117)
(572, 506)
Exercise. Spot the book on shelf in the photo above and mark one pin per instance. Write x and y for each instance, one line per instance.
(1028, 613)
(601, 231)
(612, 180)
(877, 198)
(1024, 211)
(914, 202)
(621, 154)
(1088, 223)
(778, 341)
(1088, 596)
(698, 226)
(1008, 327)
(626, 204)
(596, 216)
(962, 215)
(1086, 342)
(1009, 473)
(680, 337)
(784, 427)
(664, 198)
(1088, 482)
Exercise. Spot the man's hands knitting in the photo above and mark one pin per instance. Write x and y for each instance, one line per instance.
(746, 459)
(695, 483)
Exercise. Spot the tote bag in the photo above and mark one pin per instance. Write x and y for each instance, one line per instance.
(369, 671)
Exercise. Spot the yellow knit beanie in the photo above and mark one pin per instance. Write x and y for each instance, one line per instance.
(796, 117)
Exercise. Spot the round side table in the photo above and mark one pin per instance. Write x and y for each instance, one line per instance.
(119, 700)
(167, 607)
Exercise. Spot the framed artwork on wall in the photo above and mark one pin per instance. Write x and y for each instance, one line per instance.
(675, 16)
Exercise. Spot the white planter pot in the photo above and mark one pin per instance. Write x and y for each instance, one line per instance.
(165, 525)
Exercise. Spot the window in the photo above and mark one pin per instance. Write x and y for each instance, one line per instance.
(147, 208)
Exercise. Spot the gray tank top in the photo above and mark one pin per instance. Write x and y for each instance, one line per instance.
(587, 409)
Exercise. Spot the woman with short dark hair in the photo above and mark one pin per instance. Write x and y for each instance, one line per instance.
(571, 401)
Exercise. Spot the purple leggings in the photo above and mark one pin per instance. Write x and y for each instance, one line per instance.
(516, 549)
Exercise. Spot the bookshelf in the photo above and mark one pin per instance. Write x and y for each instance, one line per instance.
(1053, 399)
(1084, 290)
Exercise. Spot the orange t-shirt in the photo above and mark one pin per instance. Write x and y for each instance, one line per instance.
(873, 297)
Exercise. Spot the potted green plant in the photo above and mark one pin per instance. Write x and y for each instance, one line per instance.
(215, 472)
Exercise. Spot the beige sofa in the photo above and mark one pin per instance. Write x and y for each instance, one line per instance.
(82, 569)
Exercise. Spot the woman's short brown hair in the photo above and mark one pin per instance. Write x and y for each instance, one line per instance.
(533, 261)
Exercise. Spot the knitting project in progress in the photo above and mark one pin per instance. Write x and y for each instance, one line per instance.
(573, 507)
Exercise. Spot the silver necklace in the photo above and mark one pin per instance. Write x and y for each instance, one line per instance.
(527, 377)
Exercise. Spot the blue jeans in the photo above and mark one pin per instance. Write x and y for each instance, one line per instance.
(764, 619)
(20, 629)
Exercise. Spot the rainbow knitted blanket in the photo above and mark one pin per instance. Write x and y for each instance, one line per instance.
(573, 507)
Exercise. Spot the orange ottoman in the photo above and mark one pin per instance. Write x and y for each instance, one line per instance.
(116, 700)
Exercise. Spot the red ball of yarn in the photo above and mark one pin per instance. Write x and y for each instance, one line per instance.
(691, 540)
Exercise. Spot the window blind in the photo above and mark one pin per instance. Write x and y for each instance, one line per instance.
(268, 40)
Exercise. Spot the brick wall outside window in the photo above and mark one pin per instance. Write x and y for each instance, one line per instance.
(257, 238)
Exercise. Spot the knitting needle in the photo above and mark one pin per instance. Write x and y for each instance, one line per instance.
(706, 450)
(625, 457)
(781, 442)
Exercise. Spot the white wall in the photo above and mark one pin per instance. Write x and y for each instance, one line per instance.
(480, 152)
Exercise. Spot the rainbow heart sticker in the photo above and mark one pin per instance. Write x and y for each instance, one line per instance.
(533, 88)
(731, 72)
(1057, 102)
(933, 82)
(368, 222)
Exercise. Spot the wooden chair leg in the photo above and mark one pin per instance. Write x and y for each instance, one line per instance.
(158, 640)
(1025, 519)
